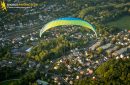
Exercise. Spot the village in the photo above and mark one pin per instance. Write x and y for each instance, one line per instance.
(80, 63)
(67, 53)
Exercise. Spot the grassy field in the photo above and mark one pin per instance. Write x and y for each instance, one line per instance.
(123, 22)
(10, 82)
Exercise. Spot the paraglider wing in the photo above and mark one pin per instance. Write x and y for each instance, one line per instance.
(67, 21)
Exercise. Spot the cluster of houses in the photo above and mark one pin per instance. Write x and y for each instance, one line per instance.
(115, 46)
(23, 43)
(18, 26)
(20, 43)
(10, 33)
(80, 63)
(74, 66)
(19, 66)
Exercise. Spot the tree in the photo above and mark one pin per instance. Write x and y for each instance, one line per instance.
(117, 72)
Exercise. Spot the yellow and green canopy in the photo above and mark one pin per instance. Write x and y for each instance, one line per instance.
(67, 21)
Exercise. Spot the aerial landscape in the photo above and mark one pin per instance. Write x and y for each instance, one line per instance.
(64, 42)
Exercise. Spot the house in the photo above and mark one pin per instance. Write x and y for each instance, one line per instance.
(29, 49)
(106, 46)
(110, 50)
(97, 44)
(40, 82)
(120, 51)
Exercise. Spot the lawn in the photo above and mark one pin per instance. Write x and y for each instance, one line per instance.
(10, 82)
(123, 22)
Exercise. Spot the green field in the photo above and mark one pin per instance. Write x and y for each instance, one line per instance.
(10, 82)
(123, 22)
